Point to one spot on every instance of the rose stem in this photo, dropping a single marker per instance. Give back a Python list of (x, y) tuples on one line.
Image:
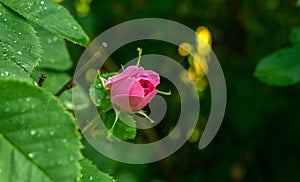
[(70, 84)]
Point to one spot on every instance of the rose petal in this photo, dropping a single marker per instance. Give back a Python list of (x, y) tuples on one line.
[(138, 103), (127, 87), (132, 103), (152, 76), (127, 73)]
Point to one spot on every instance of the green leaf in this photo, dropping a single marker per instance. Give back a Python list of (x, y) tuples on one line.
[(40, 132), (9, 69), (295, 35), (90, 172), (18, 42), (55, 55), (125, 127), (12, 158), (298, 3), (51, 16), (281, 68), (100, 95)]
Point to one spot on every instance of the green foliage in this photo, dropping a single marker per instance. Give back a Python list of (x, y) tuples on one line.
[(55, 55), (90, 172), (9, 69), (18, 42), (281, 68), (295, 35), (49, 145), (125, 126), (39, 139), (51, 16)]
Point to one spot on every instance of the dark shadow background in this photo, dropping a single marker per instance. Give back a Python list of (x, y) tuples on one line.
[(259, 137)]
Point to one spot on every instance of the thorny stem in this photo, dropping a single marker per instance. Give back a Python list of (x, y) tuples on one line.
[(43, 77), (70, 83)]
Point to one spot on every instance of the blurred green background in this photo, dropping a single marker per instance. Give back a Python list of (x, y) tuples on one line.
[(259, 137)]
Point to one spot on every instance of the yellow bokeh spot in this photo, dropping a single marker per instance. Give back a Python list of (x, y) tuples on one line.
[(184, 49), (199, 65), (91, 74), (82, 7), (201, 84), (58, 1), (194, 135), (203, 40)]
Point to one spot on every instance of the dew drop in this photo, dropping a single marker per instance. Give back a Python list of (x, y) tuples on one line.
[(42, 2), (19, 52), (15, 41), (75, 28), (52, 133), (71, 158), (33, 132), (5, 19), (91, 178), (19, 33), (14, 74), (0, 13), (28, 99), (6, 73), (30, 155), (64, 140), (45, 8), (55, 38)]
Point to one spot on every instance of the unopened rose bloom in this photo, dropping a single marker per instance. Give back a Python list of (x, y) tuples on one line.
[(132, 89)]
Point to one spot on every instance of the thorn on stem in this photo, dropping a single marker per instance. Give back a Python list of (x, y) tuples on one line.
[(42, 77)]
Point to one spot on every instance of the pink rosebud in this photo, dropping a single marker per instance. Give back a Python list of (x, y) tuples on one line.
[(132, 89)]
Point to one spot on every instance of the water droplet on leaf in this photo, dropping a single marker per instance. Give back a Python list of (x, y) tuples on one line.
[(55, 38), (91, 178), (33, 132), (30, 155), (42, 2), (19, 52)]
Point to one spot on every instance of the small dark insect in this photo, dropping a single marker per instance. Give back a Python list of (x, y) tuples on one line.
[(43, 77)]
